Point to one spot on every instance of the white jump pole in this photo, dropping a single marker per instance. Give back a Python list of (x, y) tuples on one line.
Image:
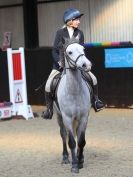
[(17, 83)]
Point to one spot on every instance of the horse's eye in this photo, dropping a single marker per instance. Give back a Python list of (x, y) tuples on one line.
[(70, 52)]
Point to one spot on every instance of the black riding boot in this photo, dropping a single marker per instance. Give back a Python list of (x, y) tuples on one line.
[(49, 103), (97, 104)]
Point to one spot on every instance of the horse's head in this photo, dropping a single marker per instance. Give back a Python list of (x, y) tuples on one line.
[(75, 56)]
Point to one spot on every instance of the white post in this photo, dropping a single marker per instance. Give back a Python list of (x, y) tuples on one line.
[(17, 83)]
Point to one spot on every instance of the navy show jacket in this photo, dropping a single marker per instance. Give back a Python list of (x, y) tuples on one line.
[(56, 50)]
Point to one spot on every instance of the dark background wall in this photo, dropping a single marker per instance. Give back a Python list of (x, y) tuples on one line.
[(115, 85), (38, 68)]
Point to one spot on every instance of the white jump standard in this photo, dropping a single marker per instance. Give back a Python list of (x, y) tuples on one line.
[(17, 83)]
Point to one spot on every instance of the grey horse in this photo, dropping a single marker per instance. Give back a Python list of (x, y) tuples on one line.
[(74, 104)]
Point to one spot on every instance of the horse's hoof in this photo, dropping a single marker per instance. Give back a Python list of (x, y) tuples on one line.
[(74, 170), (65, 161), (80, 165)]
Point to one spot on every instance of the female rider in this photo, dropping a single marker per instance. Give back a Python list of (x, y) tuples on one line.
[(71, 19)]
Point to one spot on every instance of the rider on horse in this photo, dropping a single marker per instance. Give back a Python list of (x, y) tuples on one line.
[(70, 29)]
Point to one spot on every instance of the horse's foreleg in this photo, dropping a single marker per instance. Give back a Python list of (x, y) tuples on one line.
[(81, 141), (65, 154), (72, 146), (81, 144), (63, 134)]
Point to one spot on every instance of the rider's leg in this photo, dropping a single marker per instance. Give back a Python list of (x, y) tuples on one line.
[(48, 97), (97, 104)]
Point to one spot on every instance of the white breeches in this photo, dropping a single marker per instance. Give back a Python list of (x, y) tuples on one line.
[(54, 72)]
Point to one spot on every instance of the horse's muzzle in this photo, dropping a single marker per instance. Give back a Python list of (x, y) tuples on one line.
[(86, 67)]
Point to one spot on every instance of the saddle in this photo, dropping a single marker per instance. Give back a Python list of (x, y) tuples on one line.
[(54, 85), (56, 81)]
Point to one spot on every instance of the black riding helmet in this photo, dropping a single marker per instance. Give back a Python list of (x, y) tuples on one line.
[(71, 14)]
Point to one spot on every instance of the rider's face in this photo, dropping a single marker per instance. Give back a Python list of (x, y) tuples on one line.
[(75, 23)]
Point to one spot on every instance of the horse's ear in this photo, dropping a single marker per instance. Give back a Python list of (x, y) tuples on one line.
[(77, 38), (63, 40)]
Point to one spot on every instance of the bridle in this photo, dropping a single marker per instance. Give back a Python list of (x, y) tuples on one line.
[(71, 63)]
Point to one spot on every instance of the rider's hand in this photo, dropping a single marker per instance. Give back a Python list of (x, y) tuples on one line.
[(60, 63)]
